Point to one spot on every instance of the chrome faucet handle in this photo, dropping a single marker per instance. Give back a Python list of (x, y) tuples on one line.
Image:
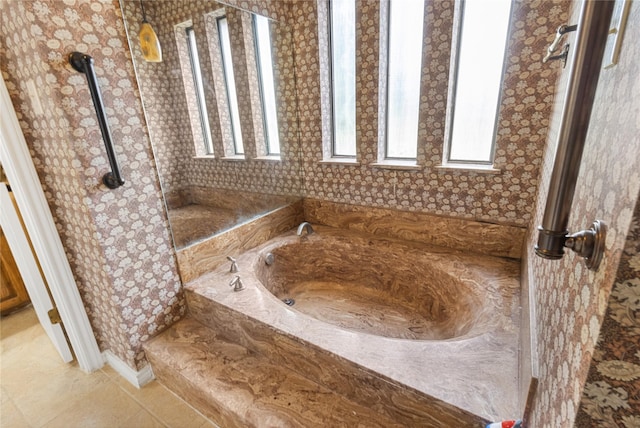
[(234, 264), (236, 283)]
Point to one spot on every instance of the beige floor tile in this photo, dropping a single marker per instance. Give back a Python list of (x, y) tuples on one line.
[(38, 390), (161, 402), (106, 406), (44, 395), (10, 416), (143, 419)]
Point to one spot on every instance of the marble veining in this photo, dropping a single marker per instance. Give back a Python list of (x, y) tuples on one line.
[(203, 256), (473, 373), (379, 286), (455, 233), (197, 213), (240, 388)]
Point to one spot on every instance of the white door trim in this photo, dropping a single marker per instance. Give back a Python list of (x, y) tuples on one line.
[(28, 268), (33, 206)]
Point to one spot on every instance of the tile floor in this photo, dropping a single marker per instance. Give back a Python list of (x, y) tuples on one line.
[(38, 390)]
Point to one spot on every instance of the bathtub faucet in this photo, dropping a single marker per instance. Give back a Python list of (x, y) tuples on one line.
[(305, 225), (236, 283), (234, 264)]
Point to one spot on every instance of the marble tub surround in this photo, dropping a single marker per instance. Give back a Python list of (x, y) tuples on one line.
[(463, 380), (237, 387), (388, 288), (457, 233), (201, 257), (197, 213)]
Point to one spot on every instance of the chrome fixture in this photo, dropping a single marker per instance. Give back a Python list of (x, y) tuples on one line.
[(305, 225), (234, 265), (591, 38), (562, 30), (289, 301), (236, 283), (269, 259), (589, 243)]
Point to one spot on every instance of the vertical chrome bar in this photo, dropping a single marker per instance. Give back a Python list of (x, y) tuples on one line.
[(593, 27), (84, 64)]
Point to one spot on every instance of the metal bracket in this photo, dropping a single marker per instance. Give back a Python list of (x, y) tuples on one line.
[(561, 31), (564, 53), (589, 244)]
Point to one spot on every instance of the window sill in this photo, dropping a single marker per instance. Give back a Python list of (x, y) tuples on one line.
[(271, 158), (234, 158), (204, 157), (410, 165), (340, 161), (480, 169)]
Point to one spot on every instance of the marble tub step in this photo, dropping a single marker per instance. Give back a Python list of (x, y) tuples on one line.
[(237, 387), (363, 387)]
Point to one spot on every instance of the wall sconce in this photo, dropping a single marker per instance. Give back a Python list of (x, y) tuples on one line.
[(149, 43)]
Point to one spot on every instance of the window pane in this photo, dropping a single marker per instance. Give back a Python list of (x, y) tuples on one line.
[(267, 87), (225, 46), (197, 80), (343, 63), (406, 18), (479, 74)]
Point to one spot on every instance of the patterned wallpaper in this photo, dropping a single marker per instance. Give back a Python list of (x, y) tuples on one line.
[(527, 101), (611, 397), (117, 241), (162, 89), (570, 300), (506, 198)]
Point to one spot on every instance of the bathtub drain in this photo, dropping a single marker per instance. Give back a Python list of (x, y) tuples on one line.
[(288, 301)]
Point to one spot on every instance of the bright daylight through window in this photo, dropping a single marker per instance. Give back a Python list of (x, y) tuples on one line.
[(406, 19), (199, 87), (477, 80), (267, 86), (225, 47), (343, 64)]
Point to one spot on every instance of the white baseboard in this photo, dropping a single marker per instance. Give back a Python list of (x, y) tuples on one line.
[(136, 378)]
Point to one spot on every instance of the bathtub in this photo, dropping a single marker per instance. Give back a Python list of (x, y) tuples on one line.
[(435, 321)]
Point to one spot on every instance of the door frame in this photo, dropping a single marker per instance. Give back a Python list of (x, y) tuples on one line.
[(18, 165)]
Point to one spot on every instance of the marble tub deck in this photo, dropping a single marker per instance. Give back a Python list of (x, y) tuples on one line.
[(476, 374)]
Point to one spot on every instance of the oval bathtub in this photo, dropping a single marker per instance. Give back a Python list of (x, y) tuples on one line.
[(375, 311), (382, 287)]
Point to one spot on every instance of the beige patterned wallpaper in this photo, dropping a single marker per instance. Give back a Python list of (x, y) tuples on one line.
[(167, 108), (571, 301), (506, 198), (117, 241), (611, 396), (527, 100)]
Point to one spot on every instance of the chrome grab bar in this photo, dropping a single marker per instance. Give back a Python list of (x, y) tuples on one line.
[(84, 64), (562, 30), (593, 28)]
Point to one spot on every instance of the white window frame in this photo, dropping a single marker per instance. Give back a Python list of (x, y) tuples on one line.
[(196, 73), (385, 143), (451, 108)]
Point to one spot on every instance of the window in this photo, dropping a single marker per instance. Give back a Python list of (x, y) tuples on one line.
[(266, 83), (476, 80), (199, 89), (227, 65), (343, 76), (406, 18)]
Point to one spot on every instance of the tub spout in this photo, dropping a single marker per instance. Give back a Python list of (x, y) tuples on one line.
[(303, 226)]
